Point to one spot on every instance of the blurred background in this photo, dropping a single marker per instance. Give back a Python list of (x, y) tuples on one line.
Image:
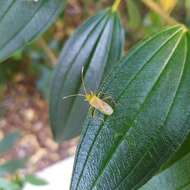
[(26, 76)]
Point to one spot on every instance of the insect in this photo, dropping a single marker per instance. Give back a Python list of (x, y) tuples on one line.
[(33, 1), (94, 100)]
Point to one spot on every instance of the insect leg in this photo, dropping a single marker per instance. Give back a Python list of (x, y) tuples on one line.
[(91, 111), (110, 98)]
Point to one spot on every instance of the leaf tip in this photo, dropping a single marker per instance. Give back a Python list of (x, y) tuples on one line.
[(184, 28)]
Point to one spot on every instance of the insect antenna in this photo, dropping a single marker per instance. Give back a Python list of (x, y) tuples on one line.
[(83, 84), (73, 95)]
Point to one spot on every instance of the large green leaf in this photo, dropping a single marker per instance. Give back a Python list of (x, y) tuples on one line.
[(22, 20), (177, 177), (96, 45), (151, 117)]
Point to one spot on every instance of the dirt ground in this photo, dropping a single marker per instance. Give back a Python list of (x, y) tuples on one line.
[(26, 111)]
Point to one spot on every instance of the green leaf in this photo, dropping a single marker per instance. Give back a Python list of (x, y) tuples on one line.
[(6, 185), (8, 142), (151, 116), (187, 11), (153, 23), (12, 166), (182, 152), (44, 80), (134, 19), (96, 45), (23, 20), (34, 180), (177, 177)]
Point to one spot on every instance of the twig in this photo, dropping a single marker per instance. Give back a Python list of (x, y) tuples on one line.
[(157, 9), (51, 56), (116, 5)]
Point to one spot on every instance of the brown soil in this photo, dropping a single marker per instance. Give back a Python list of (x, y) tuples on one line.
[(27, 111)]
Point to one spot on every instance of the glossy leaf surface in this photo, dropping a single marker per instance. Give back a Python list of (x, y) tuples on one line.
[(151, 116), (96, 45), (177, 177), (23, 20)]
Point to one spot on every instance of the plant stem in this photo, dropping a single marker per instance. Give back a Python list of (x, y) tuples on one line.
[(115, 5), (157, 9), (50, 54)]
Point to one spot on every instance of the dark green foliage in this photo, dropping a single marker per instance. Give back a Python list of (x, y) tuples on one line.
[(177, 177), (44, 80), (96, 45), (148, 134), (23, 20), (150, 120)]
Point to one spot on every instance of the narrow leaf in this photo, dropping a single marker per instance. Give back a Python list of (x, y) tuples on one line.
[(35, 180)]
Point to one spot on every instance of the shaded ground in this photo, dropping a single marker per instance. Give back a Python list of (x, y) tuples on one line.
[(26, 111)]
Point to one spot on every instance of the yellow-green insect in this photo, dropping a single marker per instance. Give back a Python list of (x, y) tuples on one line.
[(94, 101)]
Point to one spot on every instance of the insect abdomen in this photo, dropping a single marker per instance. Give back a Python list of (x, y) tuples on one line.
[(100, 105)]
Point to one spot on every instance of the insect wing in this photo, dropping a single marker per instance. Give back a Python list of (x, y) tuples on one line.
[(100, 105)]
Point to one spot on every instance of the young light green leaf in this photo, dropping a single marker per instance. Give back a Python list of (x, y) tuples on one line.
[(151, 117), (96, 46), (35, 180), (23, 20)]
